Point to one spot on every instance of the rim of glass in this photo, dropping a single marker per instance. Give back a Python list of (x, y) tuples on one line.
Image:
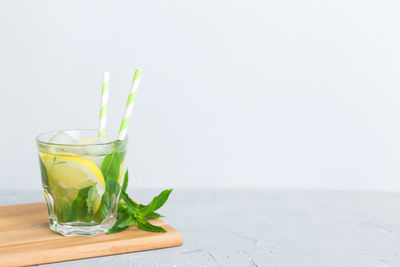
[(41, 142)]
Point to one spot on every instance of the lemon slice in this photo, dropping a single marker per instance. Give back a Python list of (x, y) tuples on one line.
[(67, 174)]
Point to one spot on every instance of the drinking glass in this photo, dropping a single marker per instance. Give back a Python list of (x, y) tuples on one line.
[(81, 178)]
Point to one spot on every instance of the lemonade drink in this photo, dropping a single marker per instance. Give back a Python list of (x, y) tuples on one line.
[(81, 178)]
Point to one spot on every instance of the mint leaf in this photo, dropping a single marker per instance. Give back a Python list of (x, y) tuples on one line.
[(108, 198), (128, 222), (43, 172), (122, 207), (132, 206), (146, 226), (112, 187), (63, 210), (125, 183), (92, 196), (132, 213), (110, 166), (78, 210), (153, 215), (156, 203), (116, 228), (105, 206), (110, 169)]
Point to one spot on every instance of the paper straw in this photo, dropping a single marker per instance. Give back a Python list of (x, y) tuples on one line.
[(104, 100), (129, 104)]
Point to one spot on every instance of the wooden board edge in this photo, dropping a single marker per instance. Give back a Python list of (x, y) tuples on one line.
[(94, 250)]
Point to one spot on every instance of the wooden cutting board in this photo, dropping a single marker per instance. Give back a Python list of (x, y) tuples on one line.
[(25, 239)]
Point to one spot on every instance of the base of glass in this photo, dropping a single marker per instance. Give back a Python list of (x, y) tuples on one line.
[(81, 229)]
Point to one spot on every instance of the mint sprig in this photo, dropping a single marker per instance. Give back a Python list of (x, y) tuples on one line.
[(131, 213)]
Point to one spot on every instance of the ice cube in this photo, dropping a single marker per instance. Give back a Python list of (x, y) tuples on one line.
[(97, 150), (62, 138)]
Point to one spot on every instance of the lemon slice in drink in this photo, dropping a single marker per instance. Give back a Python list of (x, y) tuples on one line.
[(67, 174), (90, 140), (99, 160)]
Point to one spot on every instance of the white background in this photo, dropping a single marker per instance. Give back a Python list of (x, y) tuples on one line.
[(298, 94)]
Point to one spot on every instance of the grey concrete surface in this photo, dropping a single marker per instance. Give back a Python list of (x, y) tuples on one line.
[(266, 228)]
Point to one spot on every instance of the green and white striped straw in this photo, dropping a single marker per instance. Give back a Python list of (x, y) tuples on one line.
[(104, 101), (129, 104)]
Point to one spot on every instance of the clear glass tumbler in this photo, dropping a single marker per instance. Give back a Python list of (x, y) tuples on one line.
[(81, 178)]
